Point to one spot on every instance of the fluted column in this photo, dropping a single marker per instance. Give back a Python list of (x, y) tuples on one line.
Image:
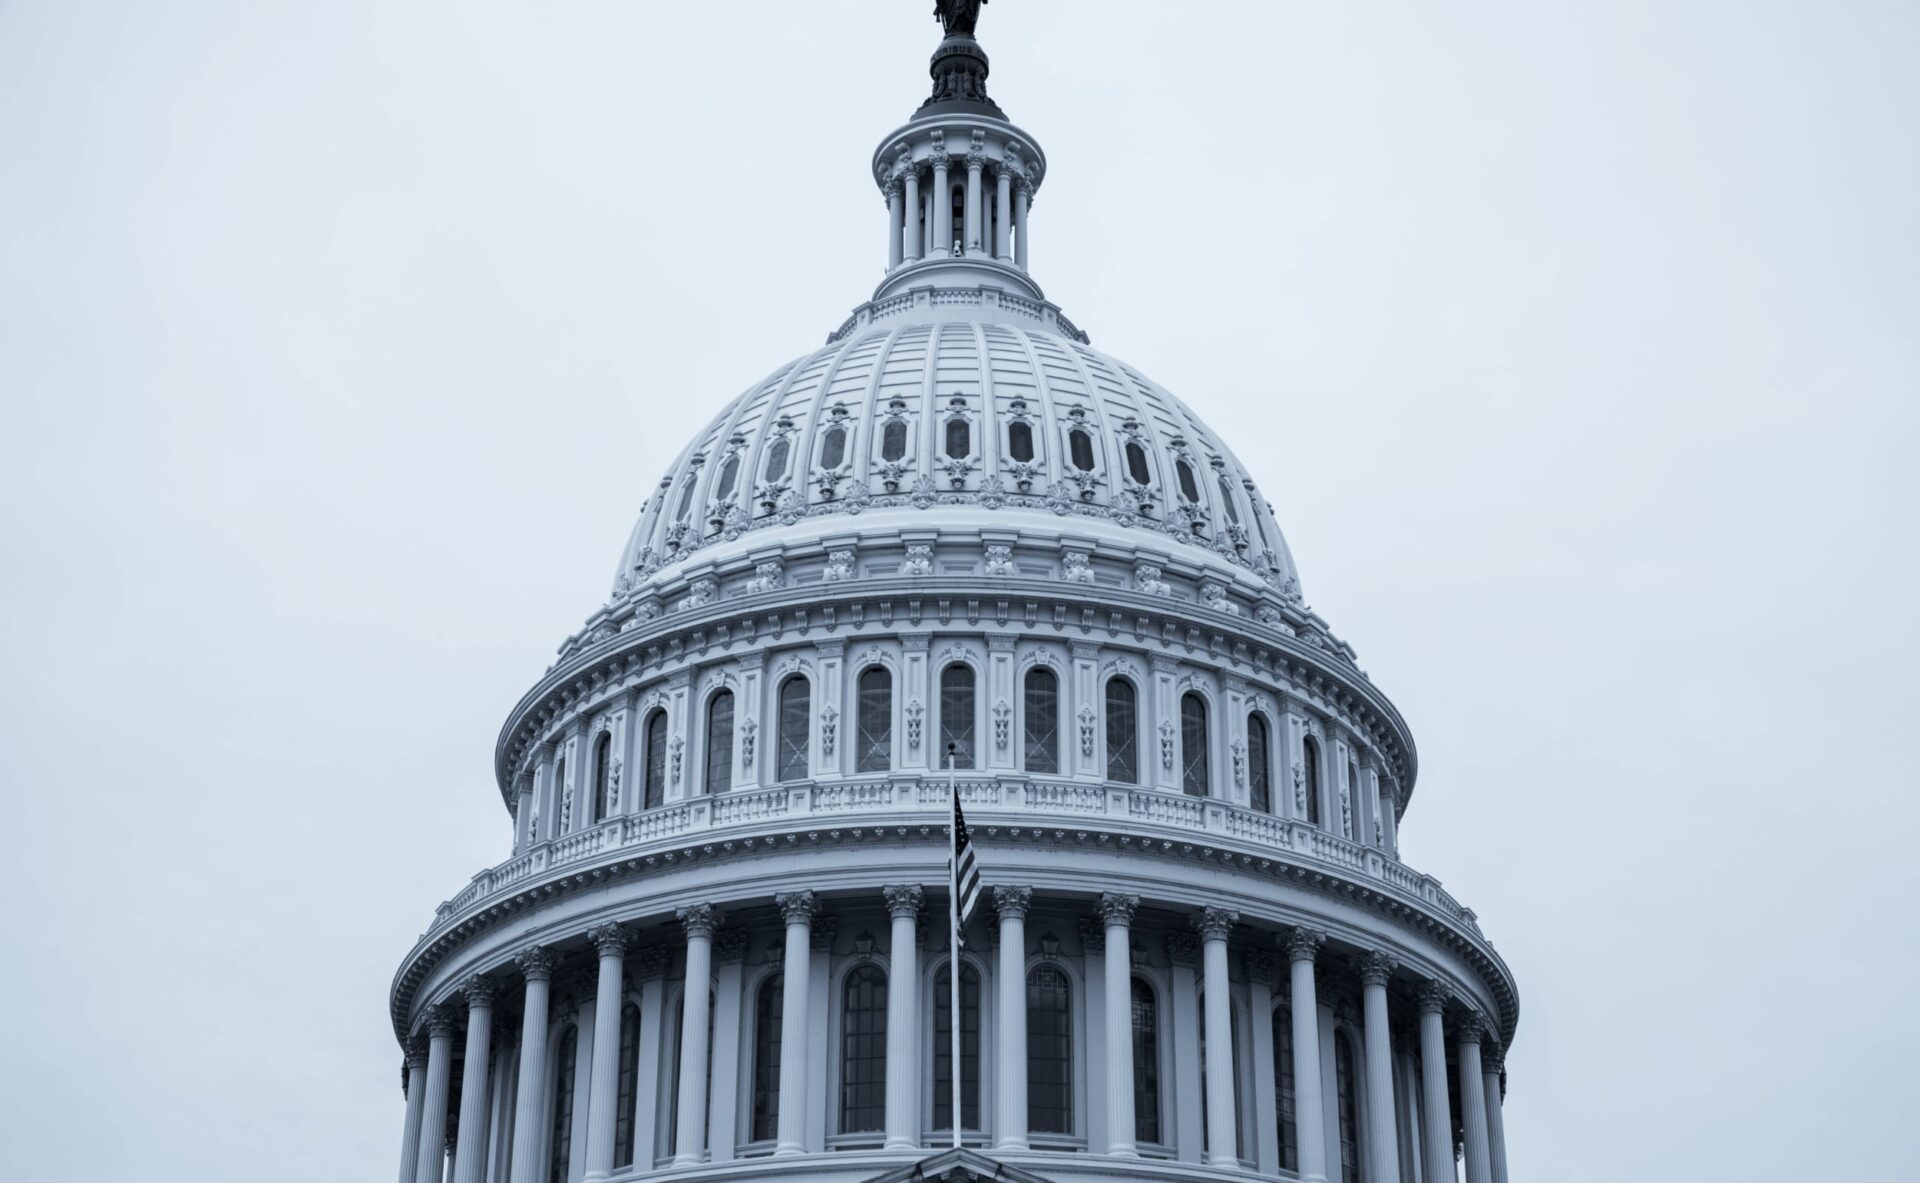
[(1437, 1130), (1376, 969), (903, 1019), (942, 204), (1223, 1116), (1303, 945), (799, 908), (690, 1135), (602, 1104), (470, 1154), (1022, 198), (896, 218), (1116, 913), (536, 965), (416, 1103), (1473, 1097), (430, 1164), (1010, 1058), (910, 247), (1491, 1067), (1002, 213), (976, 161)]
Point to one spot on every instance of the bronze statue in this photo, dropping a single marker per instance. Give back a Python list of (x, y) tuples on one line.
[(958, 17)]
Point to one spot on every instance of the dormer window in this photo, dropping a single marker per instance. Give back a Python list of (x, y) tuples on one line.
[(893, 440), (959, 439), (729, 472), (833, 448), (1188, 488), (1137, 464), (1080, 450), (776, 460), (1020, 442)]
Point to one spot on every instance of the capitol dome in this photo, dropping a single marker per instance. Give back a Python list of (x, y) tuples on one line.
[(955, 558)]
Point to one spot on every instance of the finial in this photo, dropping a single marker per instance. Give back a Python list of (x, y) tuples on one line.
[(957, 17)]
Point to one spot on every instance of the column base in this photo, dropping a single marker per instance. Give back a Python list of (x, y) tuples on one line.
[(900, 1143), (1123, 1150), (1229, 1162), (689, 1160), (788, 1151), (1015, 1144)]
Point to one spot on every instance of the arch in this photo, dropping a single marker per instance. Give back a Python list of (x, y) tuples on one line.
[(1020, 441), (1080, 449), (833, 447), (560, 1129), (958, 703), (863, 1050), (1049, 1050), (627, 1090), (1123, 731), (1193, 744), (719, 746), (655, 732), (1040, 720), (1284, 1094), (1259, 764), (796, 720), (970, 1040), (602, 807), (1310, 776), (873, 720), (1146, 1063), (1349, 1110), (767, 1014)]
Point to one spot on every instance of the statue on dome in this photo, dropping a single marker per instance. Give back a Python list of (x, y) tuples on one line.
[(958, 17)]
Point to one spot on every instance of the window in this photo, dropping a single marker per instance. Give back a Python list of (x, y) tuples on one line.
[(766, 1059), (629, 1083), (1193, 745), (969, 1047), (720, 742), (686, 495), (602, 777), (560, 788), (1019, 442), (863, 1051), (1353, 794), (1259, 773), (1226, 499), (893, 440), (1188, 488), (796, 717), (875, 722), (1284, 1100), (833, 448), (656, 784), (1310, 773), (1123, 746), (1146, 1064), (729, 472), (956, 715), (776, 460), (1080, 450), (1137, 464), (1042, 730), (1049, 1052), (959, 438), (1343, 1090), (560, 1144)]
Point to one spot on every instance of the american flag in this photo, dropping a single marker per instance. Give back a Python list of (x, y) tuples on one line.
[(965, 870)]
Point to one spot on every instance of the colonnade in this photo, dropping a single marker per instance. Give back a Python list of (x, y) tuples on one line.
[(1390, 1119), (920, 217)]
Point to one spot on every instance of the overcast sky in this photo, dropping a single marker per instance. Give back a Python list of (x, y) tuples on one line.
[(1575, 344)]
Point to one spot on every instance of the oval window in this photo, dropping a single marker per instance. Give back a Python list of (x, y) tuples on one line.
[(1137, 464), (776, 460), (1020, 442), (1080, 445), (959, 438), (833, 449), (1188, 489), (893, 441), (728, 473)]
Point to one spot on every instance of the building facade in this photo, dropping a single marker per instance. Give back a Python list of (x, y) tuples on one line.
[(719, 947)]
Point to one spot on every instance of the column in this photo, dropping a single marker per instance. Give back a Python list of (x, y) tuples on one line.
[(611, 941), (911, 247), (430, 1161), (1492, 1066), (1266, 1125), (1116, 913), (1407, 1093), (1303, 945), (896, 218), (1010, 1058), (1183, 1032), (416, 1098), (1375, 971), (650, 968), (1223, 1134), (1473, 1097), (691, 1134), (523, 816), (1022, 198), (470, 1155), (1437, 1134), (1002, 212), (536, 965), (976, 160), (903, 1019), (942, 204), (723, 1090), (799, 908)]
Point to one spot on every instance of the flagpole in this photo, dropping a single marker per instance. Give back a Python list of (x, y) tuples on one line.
[(953, 960)]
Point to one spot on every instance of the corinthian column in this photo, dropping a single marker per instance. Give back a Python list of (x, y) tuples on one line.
[(536, 964), (611, 940), (799, 908), (1303, 945), (470, 1155), (1473, 1097), (1376, 969), (1116, 913), (896, 220), (1022, 198), (1437, 1134), (1491, 1066), (942, 203), (430, 1164), (416, 1102), (903, 1019), (911, 246), (1011, 1056), (690, 1136), (977, 160), (1002, 212), (1223, 1133)]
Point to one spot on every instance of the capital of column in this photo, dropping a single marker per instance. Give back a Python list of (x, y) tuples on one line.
[(976, 159), (1214, 924), (730, 945), (651, 962), (1012, 902), (1093, 935), (798, 907), (416, 1053), (1303, 944), (611, 939), (820, 938), (1262, 967), (1493, 1058), (698, 919), (479, 992), (1434, 998), (1118, 907), (1376, 968), (903, 903), (536, 964), (891, 189), (443, 1019), (1469, 1027), (1183, 948)]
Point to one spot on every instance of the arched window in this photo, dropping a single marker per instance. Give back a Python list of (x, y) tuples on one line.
[(720, 742), (1042, 730), (729, 472), (969, 1047), (1019, 442), (875, 721), (560, 788), (628, 1086), (1080, 450), (893, 439), (796, 717), (560, 1141), (1310, 774), (833, 448), (1349, 1112), (1123, 726), (602, 777), (1284, 1100), (1188, 487), (1259, 771), (1146, 1064), (1193, 745), (959, 438), (1353, 794), (656, 785), (1049, 1051), (776, 460), (1226, 499), (863, 1051), (1137, 464), (956, 715), (766, 1059)]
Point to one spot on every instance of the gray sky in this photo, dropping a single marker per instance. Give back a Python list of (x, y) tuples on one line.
[(1574, 343)]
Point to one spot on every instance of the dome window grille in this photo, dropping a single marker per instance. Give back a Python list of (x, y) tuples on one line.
[(1193, 745), (1123, 759)]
